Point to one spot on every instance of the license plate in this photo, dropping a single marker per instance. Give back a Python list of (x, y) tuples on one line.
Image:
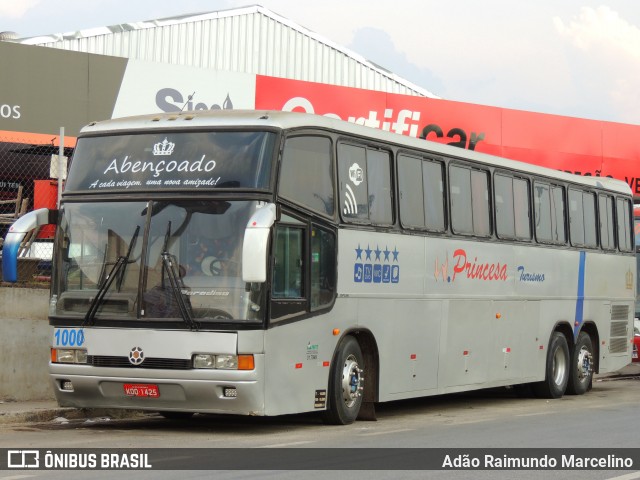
[(141, 390)]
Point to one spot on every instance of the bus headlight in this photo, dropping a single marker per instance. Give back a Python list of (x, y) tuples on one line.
[(68, 355), (204, 360), (227, 362), (223, 362)]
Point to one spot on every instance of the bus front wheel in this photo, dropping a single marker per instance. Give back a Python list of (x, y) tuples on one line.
[(557, 369), (346, 384)]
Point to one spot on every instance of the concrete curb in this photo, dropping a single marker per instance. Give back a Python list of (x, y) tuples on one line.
[(44, 414)]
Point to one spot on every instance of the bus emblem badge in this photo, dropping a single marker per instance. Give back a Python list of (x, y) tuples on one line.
[(136, 356)]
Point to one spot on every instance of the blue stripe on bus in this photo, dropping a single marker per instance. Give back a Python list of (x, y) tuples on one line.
[(580, 299)]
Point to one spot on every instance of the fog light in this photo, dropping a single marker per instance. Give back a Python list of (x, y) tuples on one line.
[(66, 385), (230, 392)]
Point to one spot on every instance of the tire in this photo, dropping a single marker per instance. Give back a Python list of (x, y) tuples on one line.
[(581, 366), (557, 369), (346, 384), (171, 415)]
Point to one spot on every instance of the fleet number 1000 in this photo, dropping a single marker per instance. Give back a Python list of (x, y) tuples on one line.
[(69, 337)]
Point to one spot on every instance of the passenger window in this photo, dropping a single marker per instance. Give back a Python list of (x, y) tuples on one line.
[(480, 203), (542, 212), (306, 173), (411, 194), (460, 191), (582, 218), (607, 226), (365, 185), (469, 189), (352, 172), (379, 180), (623, 217), (433, 183), (576, 217), (521, 209), (505, 221), (590, 222), (558, 218)]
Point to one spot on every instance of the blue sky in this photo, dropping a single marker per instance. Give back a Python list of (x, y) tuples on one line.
[(571, 57)]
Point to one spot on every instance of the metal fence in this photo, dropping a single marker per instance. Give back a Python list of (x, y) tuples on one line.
[(27, 183)]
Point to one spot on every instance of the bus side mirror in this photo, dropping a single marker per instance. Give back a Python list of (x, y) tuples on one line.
[(256, 244)]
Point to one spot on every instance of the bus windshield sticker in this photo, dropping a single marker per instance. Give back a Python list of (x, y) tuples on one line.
[(180, 160)]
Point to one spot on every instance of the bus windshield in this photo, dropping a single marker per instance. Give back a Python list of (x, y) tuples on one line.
[(153, 260)]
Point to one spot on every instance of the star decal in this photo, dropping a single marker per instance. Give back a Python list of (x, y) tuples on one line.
[(377, 251), (368, 252), (358, 253), (386, 253), (395, 254)]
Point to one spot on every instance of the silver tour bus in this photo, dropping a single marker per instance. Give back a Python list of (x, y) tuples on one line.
[(268, 263)]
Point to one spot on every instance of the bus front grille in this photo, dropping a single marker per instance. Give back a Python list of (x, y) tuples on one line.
[(123, 362)]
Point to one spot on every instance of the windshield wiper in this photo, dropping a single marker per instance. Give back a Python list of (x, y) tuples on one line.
[(120, 264), (129, 250), (168, 264), (89, 318)]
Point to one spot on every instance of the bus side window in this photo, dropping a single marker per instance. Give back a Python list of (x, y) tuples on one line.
[(353, 175), (288, 267), (469, 201), (605, 209), (576, 218), (558, 219), (306, 174), (623, 217), (543, 212), (323, 267)]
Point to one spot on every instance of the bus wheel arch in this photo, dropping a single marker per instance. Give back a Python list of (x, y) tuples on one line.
[(353, 380), (557, 366)]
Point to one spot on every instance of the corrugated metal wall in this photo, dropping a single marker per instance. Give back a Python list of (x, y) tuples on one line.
[(248, 40)]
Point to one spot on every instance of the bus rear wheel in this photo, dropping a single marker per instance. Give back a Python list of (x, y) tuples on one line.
[(581, 366), (346, 384), (557, 369)]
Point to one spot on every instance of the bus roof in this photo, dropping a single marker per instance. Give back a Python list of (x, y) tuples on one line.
[(279, 120)]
